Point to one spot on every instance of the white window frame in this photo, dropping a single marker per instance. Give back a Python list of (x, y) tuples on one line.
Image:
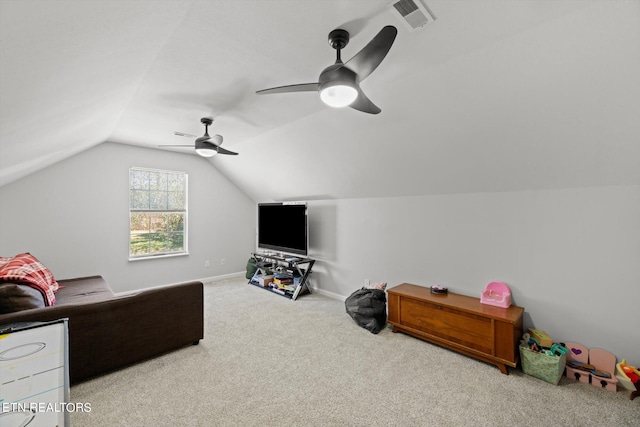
[(156, 209)]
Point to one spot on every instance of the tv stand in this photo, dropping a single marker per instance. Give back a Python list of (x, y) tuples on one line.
[(290, 271)]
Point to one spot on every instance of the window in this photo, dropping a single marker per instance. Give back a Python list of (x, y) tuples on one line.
[(157, 213)]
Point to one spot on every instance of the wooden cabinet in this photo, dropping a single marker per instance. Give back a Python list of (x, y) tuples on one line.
[(458, 322)]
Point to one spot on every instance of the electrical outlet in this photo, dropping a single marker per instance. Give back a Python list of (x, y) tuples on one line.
[(207, 264), (366, 283), (222, 261)]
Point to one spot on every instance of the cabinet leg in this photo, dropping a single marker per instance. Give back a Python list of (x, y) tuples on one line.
[(503, 368), (394, 330)]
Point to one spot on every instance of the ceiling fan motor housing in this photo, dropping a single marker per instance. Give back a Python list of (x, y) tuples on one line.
[(336, 74), (205, 145)]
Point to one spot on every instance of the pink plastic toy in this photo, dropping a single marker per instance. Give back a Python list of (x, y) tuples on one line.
[(496, 293)]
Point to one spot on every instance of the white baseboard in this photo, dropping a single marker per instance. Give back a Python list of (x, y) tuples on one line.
[(328, 294), (224, 276), (206, 279)]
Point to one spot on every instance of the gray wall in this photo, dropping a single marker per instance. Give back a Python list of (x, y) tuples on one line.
[(570, 256), (74, 217)]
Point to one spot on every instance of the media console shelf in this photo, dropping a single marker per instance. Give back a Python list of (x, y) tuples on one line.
[(458, 322), (287, 270)]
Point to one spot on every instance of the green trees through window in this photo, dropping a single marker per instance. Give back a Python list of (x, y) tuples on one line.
[(157, 212)]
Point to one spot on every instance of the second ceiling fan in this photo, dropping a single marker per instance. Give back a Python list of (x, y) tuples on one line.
[(205, 145), (339, 84)]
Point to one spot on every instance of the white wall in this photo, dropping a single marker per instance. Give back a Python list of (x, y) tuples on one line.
[(570, 256), (74, 217)]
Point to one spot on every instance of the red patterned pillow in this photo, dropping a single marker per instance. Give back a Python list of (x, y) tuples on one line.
[(26, 269)]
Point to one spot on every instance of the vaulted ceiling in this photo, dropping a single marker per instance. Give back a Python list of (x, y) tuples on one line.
[(491, 96)]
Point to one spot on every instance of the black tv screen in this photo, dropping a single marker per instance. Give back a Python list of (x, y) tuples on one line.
[(283, 227)]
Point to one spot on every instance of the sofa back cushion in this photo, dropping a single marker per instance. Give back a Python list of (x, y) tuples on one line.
[(83, 290), (16, 297)]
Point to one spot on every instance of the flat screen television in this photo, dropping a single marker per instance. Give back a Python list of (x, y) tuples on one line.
[(283, 227)]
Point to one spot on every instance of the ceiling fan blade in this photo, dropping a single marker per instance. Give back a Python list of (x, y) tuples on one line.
[(181, 145), (225, 151), (364, 104), (188, 135), (368, 59), (302, 87), (216, 139)]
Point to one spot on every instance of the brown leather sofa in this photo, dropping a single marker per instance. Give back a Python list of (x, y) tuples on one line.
[(108, 331)]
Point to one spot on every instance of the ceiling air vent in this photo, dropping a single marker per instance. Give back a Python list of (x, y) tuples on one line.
[(414, 13)]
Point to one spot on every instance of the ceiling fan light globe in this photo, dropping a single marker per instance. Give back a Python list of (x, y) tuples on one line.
[(339, 95), (337, 86), (206, 152), (206, 149)]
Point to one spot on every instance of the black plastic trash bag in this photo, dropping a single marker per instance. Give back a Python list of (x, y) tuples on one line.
[(368, 307)]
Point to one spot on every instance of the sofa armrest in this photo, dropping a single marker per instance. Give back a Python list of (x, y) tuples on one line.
[(110, 334)]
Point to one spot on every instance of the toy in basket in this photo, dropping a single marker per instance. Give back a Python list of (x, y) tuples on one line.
[(496, 293)]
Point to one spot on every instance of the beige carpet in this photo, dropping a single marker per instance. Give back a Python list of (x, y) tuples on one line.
[(269, 361)]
